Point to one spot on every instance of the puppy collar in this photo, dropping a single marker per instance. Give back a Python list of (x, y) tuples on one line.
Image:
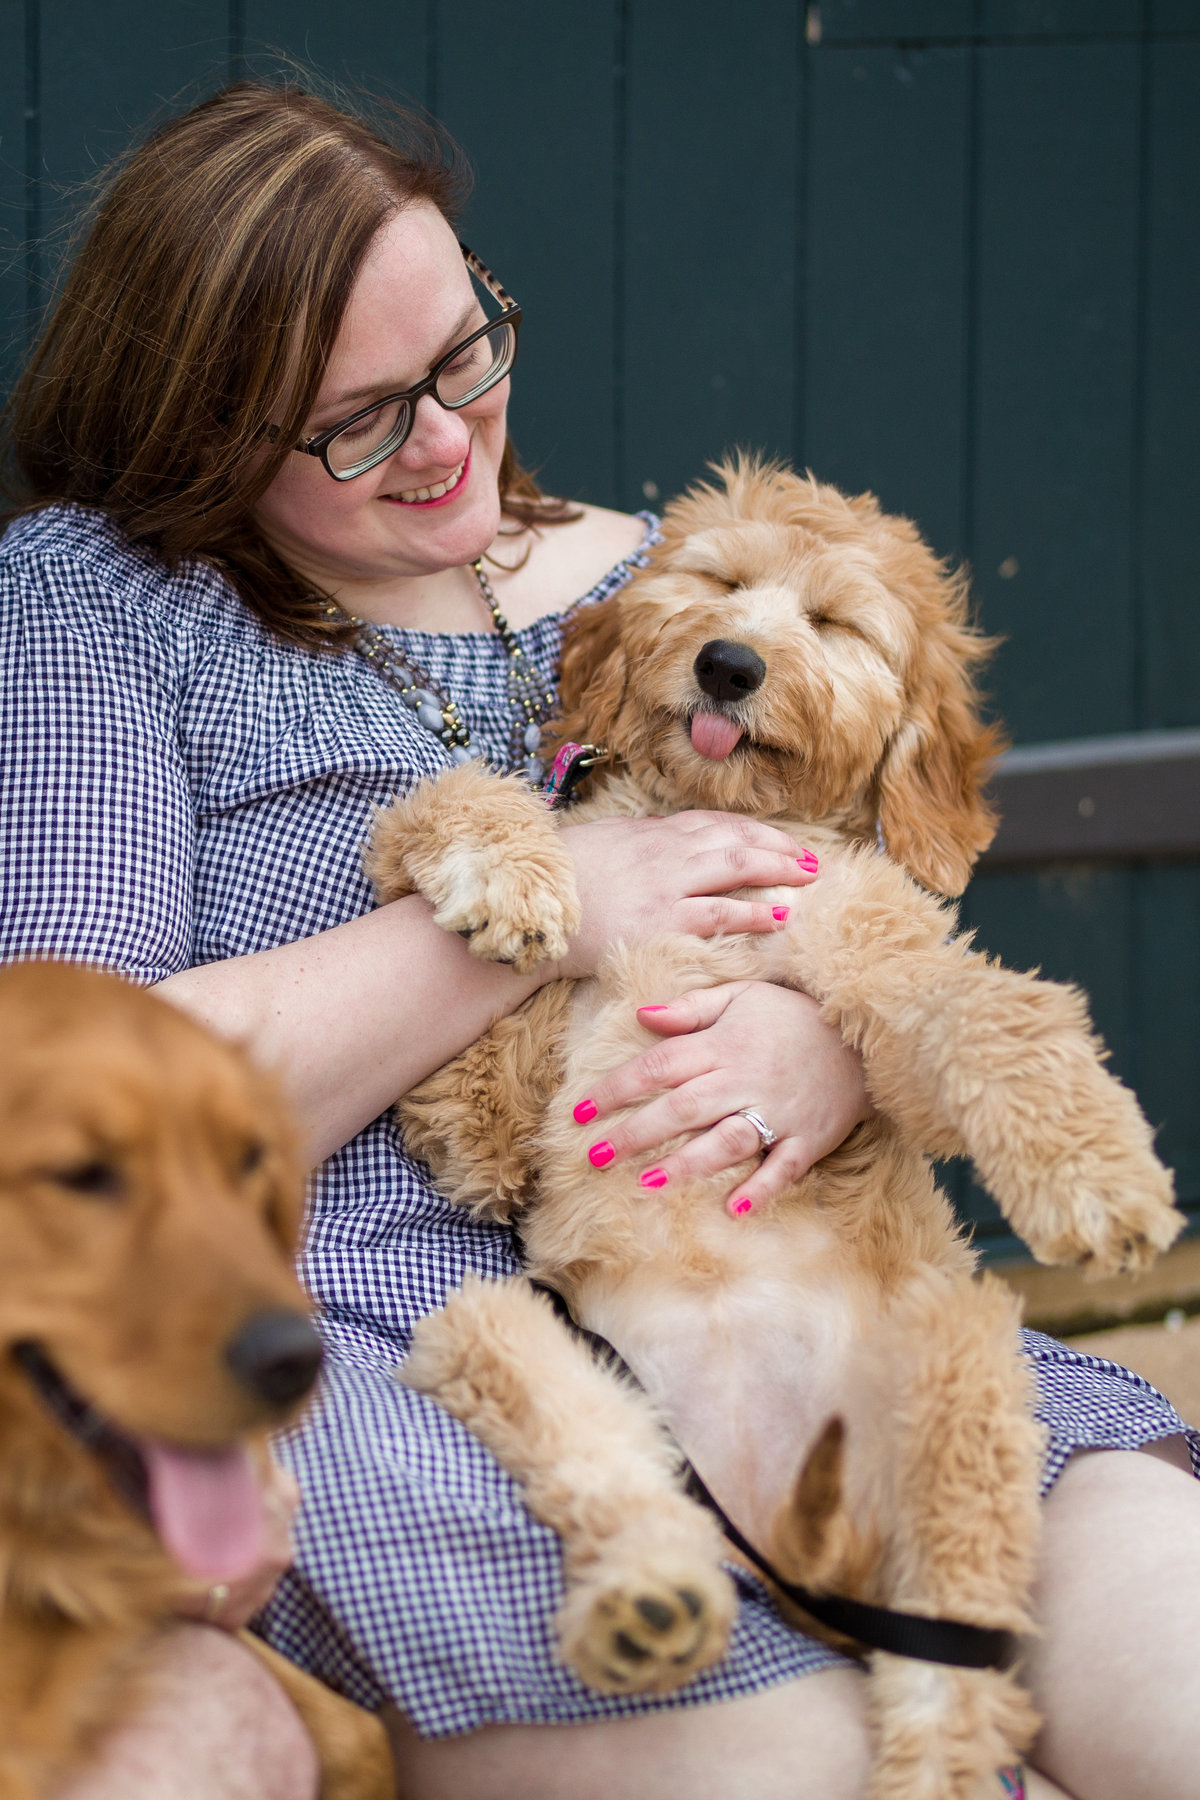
[(570, 766)]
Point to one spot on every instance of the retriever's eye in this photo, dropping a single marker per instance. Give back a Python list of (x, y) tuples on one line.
[(94, 1180), (252, 1158)]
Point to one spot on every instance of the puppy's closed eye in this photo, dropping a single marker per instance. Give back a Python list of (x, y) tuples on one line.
[(94, 1179), (826, 622)]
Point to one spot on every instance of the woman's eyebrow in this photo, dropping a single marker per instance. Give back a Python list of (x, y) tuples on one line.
[(381, 387)]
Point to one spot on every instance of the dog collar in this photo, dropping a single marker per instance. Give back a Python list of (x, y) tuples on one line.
[(570, 766)]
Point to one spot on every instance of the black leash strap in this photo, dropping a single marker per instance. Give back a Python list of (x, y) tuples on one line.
[(876, 1627)]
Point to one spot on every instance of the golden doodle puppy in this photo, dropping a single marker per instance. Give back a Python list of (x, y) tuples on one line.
[(152, 1332), (846, 1384)]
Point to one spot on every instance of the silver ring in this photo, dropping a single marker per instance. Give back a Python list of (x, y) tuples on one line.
[(218, 1594), (766, 1137)]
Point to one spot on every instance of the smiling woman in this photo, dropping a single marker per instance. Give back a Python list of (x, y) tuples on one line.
[(258, 462), (273, 563), (405, 503)]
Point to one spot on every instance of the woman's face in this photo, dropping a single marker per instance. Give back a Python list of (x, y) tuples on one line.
[(413, 300)]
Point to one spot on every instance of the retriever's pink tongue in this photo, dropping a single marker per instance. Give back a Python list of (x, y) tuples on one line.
[(207, 1508), (714, 736)]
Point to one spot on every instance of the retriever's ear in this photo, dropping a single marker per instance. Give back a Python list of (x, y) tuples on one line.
[(933, 812), (594, 671)]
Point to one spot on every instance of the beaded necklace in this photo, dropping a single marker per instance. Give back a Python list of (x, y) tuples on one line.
[(529, 690)]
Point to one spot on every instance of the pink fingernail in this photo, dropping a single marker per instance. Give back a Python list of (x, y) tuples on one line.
[(780, 913), (654, 1009), (740, 1206), (809, 861), (654, 1178), (584, 1111), (601, 1153)]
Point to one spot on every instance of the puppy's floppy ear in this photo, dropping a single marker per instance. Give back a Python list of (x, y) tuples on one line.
[(594, 672), (933, 812)]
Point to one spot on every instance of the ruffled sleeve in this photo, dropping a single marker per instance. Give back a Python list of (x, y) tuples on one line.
[(98, 843)]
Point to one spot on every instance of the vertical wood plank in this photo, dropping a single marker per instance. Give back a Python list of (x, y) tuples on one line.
[(890, 21), (884, 343), (14, 53), (1061, 18), (108, 73), (710, 247), (383, 48), (1166, 1002), (1169, 432), (541, 134), (1056, 377), (1174, 16)]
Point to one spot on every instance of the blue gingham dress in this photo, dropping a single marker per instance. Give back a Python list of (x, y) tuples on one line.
[(179, 787)]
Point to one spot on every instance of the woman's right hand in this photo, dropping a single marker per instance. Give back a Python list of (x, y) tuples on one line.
[(638, 877)]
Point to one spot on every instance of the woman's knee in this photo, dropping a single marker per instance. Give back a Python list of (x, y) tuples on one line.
[(1116, 1672), (212, 1724), (802, 1740)]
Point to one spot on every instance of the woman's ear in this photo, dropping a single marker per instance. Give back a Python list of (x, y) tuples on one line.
[(594, 670), (933, 812)]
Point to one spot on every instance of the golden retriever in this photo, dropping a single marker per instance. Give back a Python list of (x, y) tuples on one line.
[(152, 1331), (845, 1383)]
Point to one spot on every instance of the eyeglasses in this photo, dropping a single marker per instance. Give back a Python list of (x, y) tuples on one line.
[(370, 436)]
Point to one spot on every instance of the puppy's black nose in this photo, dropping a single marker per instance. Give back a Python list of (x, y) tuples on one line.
[(729, 671), (277, 1356)]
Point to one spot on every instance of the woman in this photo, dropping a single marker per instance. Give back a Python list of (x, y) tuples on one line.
[(259, 454)]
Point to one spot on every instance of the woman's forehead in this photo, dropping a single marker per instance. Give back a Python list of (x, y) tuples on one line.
[(412, 298)]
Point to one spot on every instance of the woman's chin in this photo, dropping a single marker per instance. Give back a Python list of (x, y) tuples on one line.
[(448, 539)]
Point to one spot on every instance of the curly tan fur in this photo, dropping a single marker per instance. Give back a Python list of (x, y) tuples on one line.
[(133, 1287), (850, 1391)]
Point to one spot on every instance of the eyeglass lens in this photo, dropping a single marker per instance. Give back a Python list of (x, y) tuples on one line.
[(472, 372)]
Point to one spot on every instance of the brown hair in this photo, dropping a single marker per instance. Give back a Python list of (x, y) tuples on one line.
[(203, 302)]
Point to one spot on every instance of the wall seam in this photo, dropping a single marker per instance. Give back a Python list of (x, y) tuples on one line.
[(621, 36), (237, 40), (803, 159), (970, 305), (1139, 673), (1139, 876), (431, 57), (33, 174)]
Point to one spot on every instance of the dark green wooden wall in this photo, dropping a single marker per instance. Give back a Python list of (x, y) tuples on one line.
[(946, 249)]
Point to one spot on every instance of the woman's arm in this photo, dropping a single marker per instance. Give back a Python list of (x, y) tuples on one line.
[(353, 1017)]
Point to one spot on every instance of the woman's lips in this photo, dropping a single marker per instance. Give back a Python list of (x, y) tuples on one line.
[(439, 493)]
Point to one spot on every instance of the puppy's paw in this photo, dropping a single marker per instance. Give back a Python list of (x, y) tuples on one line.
[(510, 909), (1117, 1217), (646, 1623)]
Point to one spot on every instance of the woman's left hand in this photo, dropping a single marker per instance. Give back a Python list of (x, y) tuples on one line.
[(744, 1044), (233, 1604)]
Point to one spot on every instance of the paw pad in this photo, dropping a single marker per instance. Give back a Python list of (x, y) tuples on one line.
[(639, 1635)]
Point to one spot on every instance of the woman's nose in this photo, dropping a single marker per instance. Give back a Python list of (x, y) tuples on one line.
[(438, 439)]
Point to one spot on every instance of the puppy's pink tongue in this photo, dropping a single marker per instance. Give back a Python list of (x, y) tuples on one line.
[(207, 1508), (714, 736)]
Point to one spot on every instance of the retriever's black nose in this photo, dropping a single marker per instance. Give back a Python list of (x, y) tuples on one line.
[(277, 1356), (729, 671)]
